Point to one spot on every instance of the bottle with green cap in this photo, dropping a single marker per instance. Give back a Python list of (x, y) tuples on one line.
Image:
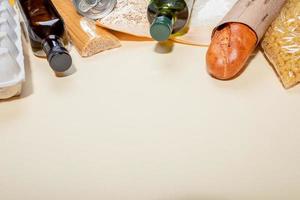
[(168, 17)]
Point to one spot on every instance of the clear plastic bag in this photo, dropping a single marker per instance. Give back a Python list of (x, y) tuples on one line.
[(281, 44)]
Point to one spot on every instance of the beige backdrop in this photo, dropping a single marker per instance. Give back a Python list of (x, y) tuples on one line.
[(138, 123)]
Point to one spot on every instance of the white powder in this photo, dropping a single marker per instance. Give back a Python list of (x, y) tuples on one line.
[(210, 11), (129, 16), (205, 17)]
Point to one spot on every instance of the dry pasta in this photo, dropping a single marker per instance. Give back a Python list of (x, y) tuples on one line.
[(281, 44)]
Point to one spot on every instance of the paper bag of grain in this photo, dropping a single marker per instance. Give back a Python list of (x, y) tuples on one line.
[(128, 16), (281, 44)]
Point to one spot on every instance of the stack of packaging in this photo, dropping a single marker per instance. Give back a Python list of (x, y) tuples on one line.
[(11, 53)]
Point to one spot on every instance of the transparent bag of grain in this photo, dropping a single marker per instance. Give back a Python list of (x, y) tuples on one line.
[(281, 44)]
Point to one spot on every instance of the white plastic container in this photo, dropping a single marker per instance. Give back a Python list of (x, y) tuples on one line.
[(12, 72)]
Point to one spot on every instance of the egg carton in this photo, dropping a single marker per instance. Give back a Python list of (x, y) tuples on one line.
[(12, 72)]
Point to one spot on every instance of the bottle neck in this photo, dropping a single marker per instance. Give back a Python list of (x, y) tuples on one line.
[(57, 55), (50, 43)]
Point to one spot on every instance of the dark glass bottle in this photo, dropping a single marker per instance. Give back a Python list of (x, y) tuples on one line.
[(168, 17), (46, 32)]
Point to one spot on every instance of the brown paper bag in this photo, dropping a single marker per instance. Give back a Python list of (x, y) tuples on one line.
[(257, 14)]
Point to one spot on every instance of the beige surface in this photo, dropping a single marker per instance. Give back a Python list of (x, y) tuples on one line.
[(135, 124)]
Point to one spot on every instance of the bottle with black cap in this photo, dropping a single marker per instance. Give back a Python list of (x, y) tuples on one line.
[(168, 17), (46, 33)]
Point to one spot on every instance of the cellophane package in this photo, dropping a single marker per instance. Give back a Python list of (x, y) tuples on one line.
[(281, 44)]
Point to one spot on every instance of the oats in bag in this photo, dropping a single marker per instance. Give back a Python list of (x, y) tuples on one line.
[(281, 44), (129, 16)]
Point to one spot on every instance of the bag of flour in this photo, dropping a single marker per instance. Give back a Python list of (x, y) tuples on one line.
[(206, 15)]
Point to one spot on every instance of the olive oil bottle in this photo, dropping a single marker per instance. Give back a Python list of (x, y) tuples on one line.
[(46, 32), (168, 17)]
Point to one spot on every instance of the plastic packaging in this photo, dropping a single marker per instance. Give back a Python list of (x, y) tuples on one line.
[(281, 44), (12, 73)]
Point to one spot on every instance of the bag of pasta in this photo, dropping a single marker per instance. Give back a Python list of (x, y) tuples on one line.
[(281, 44)]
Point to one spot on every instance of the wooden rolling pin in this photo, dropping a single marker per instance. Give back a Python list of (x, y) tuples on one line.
[(88, 38)]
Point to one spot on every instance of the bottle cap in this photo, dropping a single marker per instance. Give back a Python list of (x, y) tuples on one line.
[(161, 28), (57, 55)]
